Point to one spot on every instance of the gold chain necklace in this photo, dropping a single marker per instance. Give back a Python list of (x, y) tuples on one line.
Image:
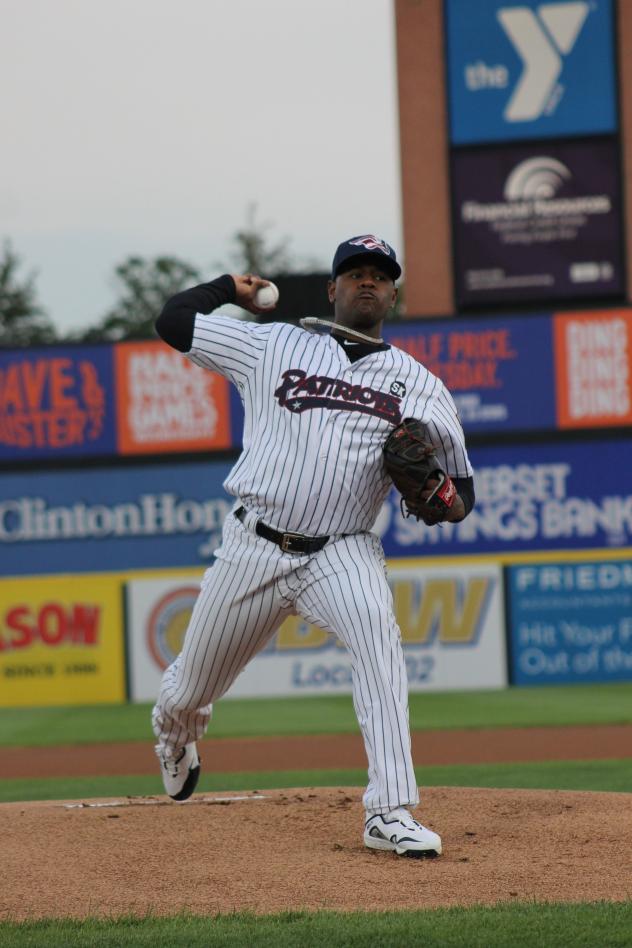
[(313, 324)]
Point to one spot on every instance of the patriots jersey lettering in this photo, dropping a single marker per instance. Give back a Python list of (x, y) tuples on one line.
[(300, 392)]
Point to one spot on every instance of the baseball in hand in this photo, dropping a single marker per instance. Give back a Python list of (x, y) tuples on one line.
[(267, 296)]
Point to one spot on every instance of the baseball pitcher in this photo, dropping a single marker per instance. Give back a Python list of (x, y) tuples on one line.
[(333, 417)]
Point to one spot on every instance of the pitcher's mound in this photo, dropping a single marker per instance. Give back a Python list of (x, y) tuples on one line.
[(281, 850)]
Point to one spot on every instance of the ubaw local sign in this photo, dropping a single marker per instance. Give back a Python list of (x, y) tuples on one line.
[(451, 619)]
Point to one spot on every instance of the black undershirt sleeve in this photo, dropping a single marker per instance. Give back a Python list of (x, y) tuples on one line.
[(176, 322), (465, 490)]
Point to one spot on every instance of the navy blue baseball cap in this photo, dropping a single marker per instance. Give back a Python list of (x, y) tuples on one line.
[(366, 246)]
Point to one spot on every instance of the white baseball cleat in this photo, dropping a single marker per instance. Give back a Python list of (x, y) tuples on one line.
[(180, 771), (399, 832)]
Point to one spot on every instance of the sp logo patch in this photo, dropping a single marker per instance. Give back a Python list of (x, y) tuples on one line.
[(398, 389)]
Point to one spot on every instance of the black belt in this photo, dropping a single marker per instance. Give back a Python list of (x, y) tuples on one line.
[(289, 542)]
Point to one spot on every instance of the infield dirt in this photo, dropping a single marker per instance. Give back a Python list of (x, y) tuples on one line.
[(302, 849)]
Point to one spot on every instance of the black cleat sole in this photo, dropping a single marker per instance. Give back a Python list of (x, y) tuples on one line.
[(421, 854)]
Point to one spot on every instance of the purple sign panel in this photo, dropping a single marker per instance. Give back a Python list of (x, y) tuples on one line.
[(537, 222), (489, 365), (56, 402)]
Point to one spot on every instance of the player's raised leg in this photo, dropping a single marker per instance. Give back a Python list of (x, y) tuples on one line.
[(236, 613)]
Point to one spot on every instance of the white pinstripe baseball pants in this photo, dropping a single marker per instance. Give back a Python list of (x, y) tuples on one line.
[(245, 596)]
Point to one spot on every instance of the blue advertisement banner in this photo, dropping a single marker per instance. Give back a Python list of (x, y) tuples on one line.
[(56, 402), (537, 223), (521, 69), (488, 365), (116, 518), (529, 497), (571, 622)]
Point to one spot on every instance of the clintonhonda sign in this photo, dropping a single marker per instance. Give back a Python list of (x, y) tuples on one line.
[(133, 517), (33, 518)]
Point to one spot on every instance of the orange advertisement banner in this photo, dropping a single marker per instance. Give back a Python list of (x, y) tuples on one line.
[(593, 367), (166, 403), (61, 641)]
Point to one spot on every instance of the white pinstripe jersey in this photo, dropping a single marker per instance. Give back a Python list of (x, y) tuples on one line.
[(315, 423)]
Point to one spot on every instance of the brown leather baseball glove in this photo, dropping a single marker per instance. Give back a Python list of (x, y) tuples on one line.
[(427, 491)]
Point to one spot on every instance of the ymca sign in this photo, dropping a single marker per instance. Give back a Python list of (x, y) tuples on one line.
[(526, 69)]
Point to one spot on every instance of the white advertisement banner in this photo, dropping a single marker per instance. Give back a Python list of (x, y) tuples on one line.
[(451, 617)]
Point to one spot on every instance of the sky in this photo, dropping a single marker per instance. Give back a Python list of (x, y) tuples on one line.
[(148, 127)]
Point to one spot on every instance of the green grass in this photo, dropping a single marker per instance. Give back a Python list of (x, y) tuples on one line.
[(608, 775), (521, 925), (254, 717)]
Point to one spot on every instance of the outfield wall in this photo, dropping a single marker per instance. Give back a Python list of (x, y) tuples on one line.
[(112, 504)]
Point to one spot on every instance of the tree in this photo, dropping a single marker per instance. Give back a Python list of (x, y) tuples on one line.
[(146, 286), (253, 253), (22, 320)]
